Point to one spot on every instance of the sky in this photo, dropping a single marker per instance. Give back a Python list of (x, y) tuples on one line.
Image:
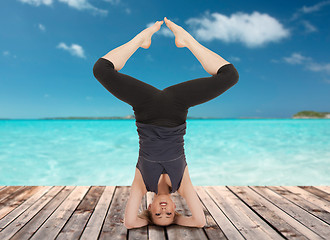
[(48, 49)]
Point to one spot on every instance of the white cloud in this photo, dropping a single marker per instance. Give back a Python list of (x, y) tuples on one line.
[(114, 2), (314, 8), (88, 98), (42, 27), (319, 67), (37, 2), (164, 30), (77, 4), (74, 49), (309, 27), (296, 58), (83, 5), (235, 59), (8, 54), (308, 62), (253, 30)]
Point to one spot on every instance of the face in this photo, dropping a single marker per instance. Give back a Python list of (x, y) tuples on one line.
[(162, 209)]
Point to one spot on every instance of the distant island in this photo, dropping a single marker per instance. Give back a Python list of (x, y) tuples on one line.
[(301, 114), (125, 117), (311, 114)]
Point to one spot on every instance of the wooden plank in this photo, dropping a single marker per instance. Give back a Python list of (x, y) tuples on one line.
[(284, 223), (245, 209), (19, 210), (310, 221), (5, 192), (155, 232), (17, 198), (242, 217), (316, 192), (324, 188), (181, 232), (217, 224), (305, 200), (31, 226), (75, 226), (139, 233), (56, 221), (19, 222), (94, 225), (113, 227)]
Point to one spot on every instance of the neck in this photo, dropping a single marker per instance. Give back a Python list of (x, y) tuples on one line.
[(163, 188)]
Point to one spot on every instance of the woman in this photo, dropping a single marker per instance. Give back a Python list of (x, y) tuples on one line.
[(161, 124)]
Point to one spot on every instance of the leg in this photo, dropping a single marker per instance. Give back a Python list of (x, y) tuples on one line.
[(121, 54), (197, 91), (210, 61), (200, 90), (125, 87)]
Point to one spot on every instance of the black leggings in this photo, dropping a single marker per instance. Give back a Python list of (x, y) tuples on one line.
[(167, 107)]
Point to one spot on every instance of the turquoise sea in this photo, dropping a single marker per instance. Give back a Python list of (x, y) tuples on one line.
[(218, 152)]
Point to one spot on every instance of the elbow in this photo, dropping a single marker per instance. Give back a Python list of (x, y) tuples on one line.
[(127, 225), (201, 225)]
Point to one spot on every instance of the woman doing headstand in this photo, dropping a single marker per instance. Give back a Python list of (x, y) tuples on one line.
[(161, 124)]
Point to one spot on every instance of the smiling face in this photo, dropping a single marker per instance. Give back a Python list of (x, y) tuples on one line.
[(162, 209)]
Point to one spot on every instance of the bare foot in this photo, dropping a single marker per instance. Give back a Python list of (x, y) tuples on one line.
[(181, 35), (148, 32)]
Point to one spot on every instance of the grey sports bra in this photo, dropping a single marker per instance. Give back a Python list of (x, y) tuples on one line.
[(161, 151)]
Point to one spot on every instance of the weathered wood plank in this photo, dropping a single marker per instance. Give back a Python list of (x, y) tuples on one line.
[(181, 232), (310, 221), (94, 225), (324, 188), (283, 222), (17, 198), (260, 224), (56, 221), (25, 205), (32, 225), (316, 192), (305, 200), (113, 227), (217, 224), (19, 222), (97, 212), (7, 191), (75, 225)]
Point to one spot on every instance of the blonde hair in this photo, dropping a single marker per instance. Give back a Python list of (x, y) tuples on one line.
[(147, 215)]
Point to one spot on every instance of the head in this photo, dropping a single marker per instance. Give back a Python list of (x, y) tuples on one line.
[(161, 211)]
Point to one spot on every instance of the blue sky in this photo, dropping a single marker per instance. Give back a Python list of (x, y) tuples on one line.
[(48, 49)]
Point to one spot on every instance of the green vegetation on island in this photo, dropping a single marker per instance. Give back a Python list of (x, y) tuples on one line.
[(311, 114)]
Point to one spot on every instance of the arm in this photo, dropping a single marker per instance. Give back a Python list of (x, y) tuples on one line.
[(131, 220), (188, 192)]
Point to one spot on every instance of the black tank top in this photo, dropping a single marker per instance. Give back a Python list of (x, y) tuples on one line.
[(161, 151)]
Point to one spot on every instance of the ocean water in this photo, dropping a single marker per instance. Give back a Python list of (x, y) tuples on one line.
[(218, 152)]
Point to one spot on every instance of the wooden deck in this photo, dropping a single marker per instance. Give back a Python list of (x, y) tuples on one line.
[(232, 212)]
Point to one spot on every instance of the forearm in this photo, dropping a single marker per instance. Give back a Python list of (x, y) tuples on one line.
[(139, 222), (121, 54), (210, 61), (188, 221)]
